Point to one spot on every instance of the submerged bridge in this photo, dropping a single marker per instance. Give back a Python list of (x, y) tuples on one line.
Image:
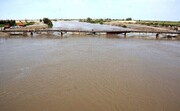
[(92, 32)]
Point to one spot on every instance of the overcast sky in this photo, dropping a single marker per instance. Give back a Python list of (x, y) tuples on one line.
[(118, 9)]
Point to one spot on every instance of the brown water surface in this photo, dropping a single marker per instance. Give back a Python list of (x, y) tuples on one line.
[(89, 74)]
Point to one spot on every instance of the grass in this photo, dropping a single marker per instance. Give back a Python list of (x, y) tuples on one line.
[(1, 25), (160, 23), (30, 23)]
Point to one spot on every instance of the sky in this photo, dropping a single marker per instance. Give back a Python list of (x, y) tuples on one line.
[(74, 9)]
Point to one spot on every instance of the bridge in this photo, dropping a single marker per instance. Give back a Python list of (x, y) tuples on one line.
[(93, 32)]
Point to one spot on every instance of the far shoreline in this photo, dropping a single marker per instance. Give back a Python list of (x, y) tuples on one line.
[(129, 25)]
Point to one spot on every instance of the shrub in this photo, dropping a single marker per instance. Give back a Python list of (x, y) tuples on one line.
[(30, 23), (124, 26), (48, 22), (128, 19)]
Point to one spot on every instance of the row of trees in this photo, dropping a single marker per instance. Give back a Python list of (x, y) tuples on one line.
[(9, 22), (13, 22), (101, 21), (90, 20)]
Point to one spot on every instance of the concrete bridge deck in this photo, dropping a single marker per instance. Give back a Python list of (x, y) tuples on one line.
[(104, 31), (108, 32)]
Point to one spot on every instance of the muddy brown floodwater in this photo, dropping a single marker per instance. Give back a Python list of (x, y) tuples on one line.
[(89, 74)]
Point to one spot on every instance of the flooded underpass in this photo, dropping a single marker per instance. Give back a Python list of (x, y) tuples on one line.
[(89, 73)]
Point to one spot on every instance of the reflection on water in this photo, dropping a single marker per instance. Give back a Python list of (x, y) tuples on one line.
[(89, 74)]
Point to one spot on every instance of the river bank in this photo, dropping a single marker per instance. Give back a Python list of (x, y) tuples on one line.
[(3, 34), (81, 26), (137, 26)]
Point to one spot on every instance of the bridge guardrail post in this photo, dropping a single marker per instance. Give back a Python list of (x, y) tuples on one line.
[(157, 36), (125, 34)]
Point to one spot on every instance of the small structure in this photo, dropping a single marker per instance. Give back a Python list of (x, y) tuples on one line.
[(6, 26)]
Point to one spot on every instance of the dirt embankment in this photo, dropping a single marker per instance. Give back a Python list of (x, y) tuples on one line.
[(146, 28), (135, 26), (36, 26), (3, 34)]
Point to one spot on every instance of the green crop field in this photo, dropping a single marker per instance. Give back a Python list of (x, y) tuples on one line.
[(160, 23), (1, 25)]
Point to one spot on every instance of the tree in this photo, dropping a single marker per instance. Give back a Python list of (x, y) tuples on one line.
[(12, 23), (89, 20), (108, 20), (81, 20), (100, 21), (128, 19), (48, 22)]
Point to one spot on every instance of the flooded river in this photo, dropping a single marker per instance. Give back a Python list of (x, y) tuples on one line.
[(89, 73)]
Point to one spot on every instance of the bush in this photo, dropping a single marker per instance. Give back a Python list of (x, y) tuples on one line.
[(30, 23), (89, 20), (128, 19), (95, 21), (124, 26), (48, 22)]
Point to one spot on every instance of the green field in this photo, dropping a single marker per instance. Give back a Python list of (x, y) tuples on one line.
[(1, 25), (160, 23)]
